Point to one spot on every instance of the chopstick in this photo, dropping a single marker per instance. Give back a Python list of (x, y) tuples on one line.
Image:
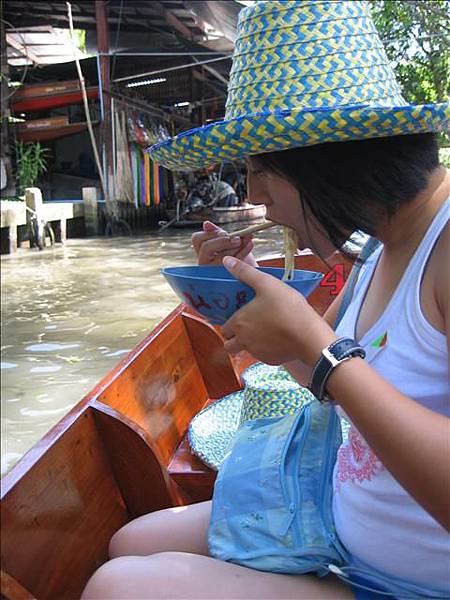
[(253, 229)]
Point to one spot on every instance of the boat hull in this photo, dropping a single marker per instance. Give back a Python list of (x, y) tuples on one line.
[(220, 216), (50, 100), (42, 134)]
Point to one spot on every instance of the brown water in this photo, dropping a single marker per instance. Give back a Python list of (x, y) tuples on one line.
[(70, 313)]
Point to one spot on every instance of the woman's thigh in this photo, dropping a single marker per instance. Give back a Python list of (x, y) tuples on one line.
[(178, 576), (179, 529)]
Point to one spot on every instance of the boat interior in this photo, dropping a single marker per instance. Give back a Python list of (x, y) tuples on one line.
[(120, 453)]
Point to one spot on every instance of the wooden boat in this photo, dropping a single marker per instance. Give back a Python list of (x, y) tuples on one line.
[(50, 132), (220, 215), (120, 453), (43, 96)]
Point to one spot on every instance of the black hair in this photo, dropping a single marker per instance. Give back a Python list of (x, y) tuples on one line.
[(349, 186)]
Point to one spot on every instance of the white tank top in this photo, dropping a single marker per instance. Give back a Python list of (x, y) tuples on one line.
[(378, 522)]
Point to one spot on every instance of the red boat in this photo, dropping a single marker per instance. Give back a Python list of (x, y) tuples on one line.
[(42, 134), (40, 96)]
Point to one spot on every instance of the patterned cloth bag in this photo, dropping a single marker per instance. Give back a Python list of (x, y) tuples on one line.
[(272, 497)]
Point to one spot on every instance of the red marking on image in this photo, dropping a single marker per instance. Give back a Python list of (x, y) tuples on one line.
[(334, 279), (196, 303)]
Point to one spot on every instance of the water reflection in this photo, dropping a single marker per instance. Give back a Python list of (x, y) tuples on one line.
[(69, 314)]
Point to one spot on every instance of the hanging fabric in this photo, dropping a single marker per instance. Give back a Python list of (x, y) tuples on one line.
[(149, 183), (147, 179), (156, 182), (134, 167), (123, 177)]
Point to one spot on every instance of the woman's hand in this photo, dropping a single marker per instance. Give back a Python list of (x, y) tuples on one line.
[(278, 325), (213, 243)]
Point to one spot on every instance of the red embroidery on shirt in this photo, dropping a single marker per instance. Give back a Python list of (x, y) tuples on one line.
[(356, 461)]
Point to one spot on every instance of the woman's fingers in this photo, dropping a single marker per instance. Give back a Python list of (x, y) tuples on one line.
[(227, 329), (232, 346), (209, 226), (217, 248), (213, 243), (200, 237), (245, 250)]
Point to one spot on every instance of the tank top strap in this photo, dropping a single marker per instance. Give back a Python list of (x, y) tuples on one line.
[(418, 262)]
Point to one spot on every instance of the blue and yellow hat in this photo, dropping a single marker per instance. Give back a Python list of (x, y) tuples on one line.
[(269, 391), (304, 72)]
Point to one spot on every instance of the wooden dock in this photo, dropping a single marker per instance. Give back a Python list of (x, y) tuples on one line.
[(14, 215)]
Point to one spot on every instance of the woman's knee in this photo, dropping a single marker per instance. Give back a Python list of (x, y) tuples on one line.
[(119, 543), (143, 536), (102, 583), (182, 529), (129, 577), (136, 538)]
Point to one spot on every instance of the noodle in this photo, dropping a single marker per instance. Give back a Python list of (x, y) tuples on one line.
[(290, 248)]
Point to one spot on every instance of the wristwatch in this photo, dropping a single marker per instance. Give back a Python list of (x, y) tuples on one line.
[(333, 355)]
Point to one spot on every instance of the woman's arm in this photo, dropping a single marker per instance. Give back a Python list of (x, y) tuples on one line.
[(411, 441), (301, 372)]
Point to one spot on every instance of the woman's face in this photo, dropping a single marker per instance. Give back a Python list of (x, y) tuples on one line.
[(283, 205)]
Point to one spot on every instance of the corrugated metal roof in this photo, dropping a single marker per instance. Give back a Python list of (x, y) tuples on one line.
[(41, 45)]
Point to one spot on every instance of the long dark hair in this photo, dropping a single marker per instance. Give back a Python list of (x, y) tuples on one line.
[(349, 186)]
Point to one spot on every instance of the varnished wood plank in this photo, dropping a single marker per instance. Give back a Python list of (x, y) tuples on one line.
[(12, 590), (57, 521), (191, 473), (144, 483), (216, 365), (26, 463), (161, 390)]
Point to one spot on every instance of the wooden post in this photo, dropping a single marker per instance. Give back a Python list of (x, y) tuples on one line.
[(8, 187), (60, 229), (9, 232), (90, 210), (103, 50), (33, 199)]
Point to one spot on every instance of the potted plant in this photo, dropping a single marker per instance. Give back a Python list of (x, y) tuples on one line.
[(31, 162)]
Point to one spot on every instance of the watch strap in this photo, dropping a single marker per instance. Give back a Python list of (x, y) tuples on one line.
[(330, 357)]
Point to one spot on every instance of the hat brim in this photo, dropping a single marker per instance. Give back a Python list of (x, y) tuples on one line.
[(273, 131), (212, 430)]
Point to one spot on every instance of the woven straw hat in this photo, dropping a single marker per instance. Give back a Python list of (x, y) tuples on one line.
[(304, 72), (268, 392)]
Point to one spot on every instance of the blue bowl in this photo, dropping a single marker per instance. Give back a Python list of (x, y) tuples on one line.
[(215, 294)]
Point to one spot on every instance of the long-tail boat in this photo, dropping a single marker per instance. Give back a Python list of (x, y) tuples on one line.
[(43, 96), (122, 451), (220, 215), (48, 132)]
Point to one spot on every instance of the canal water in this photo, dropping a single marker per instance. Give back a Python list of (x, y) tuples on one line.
[(70, 313)]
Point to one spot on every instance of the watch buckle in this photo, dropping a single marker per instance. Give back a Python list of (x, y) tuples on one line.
[(330, 357)]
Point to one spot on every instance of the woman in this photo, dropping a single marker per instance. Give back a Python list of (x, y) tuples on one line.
[(391, 480)]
